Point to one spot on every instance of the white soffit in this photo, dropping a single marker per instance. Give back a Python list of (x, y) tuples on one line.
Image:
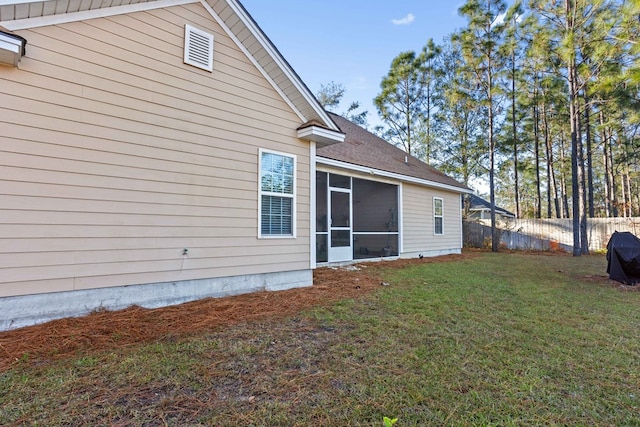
[(320, 135)]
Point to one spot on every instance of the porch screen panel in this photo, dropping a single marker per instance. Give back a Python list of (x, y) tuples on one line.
[(340, 212), (375, 219), (321, 202), (322, 219)]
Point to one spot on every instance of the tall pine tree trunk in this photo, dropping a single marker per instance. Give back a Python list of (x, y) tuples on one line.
[(627, 177), (584, 242), (607, 166), (514, 130), (563, 179), (576, 190), (428, 118), (624, 196), (614, 182), (630, 201), (536, 138), (587, 124), (492, 188), (552, 185)]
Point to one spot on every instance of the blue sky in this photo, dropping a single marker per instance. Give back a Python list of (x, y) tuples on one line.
[(352, 42)]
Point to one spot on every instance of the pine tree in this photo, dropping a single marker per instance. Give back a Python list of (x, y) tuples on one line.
[(400, 102), (459, 118), (431, 71), (481, 41)]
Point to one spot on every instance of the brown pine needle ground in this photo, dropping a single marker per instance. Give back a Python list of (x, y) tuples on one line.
[(105, 330)]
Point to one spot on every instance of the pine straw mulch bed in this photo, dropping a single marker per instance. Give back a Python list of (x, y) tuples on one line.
[(106, 330)]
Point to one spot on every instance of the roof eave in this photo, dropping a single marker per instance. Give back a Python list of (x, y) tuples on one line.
[(12, 48), (306, 96), (320, 135)]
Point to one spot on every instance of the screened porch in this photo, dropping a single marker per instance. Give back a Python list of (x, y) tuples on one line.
[(355, 218)]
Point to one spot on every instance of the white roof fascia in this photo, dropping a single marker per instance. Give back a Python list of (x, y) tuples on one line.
[(250, 57), (392, 175), (63, 18), (291, 75), (11, 2), (10, 50), (321, 135), (10, 43)]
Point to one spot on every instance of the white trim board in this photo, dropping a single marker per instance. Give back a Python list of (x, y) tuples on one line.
[(312, 205), (392, 175), (251, 58), (64, 18), (272, 51), (12, 2)]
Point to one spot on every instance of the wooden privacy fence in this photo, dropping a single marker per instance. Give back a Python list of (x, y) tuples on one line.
[(545, 234)]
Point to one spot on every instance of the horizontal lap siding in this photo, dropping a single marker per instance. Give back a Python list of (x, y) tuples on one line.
[(417, 215), (114, 156)]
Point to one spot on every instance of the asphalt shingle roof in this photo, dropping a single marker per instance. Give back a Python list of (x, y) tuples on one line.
[(478, 203), (363, 148)]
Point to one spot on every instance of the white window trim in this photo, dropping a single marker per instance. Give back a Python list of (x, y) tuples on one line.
[(293, 196), (438, 216)]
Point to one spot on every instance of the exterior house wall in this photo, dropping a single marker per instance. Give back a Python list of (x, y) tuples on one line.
[(418, 223), (115, 157)]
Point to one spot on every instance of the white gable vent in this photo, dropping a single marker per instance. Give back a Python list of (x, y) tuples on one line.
[(198, 48)]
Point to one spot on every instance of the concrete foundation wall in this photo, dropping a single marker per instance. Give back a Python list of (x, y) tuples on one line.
[(27, 310)]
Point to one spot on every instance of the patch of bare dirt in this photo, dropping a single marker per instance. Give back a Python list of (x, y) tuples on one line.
[(604, 280)]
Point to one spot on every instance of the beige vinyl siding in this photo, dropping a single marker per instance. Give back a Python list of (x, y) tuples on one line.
[(417, 219), (114, 156)]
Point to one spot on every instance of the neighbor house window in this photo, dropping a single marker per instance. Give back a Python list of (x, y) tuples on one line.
[(277, 194), (438, 226)]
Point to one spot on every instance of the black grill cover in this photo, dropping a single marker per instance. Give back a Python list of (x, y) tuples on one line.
[(623, 258)]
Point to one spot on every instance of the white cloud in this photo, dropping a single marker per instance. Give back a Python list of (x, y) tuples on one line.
[(499, 19), (404, 21)]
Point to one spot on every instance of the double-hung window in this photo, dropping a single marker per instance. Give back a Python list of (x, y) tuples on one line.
[(277, 194), (438, 217)]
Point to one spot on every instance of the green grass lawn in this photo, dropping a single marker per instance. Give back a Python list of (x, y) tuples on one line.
[(497, 339)]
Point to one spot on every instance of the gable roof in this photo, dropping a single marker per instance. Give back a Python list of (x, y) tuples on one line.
[(364, 151), (230, 14)]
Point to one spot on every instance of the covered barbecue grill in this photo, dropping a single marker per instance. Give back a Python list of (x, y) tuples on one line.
[(623, 258)]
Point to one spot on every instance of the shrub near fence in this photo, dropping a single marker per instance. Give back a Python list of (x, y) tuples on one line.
[(545, 234)]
